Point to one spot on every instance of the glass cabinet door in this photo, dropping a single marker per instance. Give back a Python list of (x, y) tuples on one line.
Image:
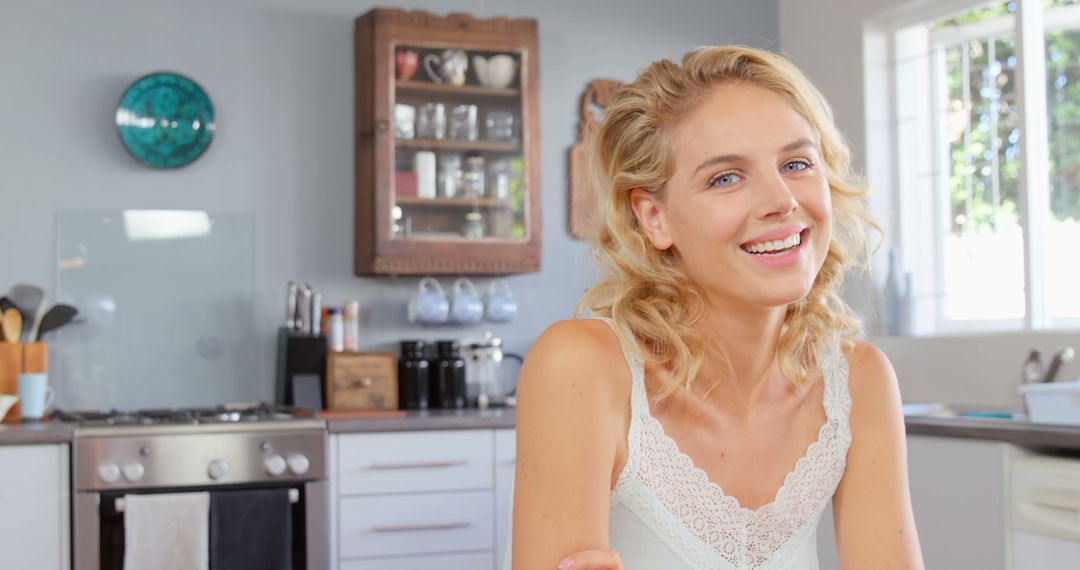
[(459, 169)]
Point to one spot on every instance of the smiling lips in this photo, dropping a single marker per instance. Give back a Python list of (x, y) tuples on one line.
[(776, 241)]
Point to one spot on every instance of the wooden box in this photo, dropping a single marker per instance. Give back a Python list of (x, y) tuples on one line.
[(361, 381), (16, 358)]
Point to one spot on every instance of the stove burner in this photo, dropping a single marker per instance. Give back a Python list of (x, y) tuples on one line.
[(181, 416)]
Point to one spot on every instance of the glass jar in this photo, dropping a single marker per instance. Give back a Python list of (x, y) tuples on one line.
[(499, 179), (472, 178), (474, 225), (450, 175)]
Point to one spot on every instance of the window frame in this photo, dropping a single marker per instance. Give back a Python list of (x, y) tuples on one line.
[(900, 39)]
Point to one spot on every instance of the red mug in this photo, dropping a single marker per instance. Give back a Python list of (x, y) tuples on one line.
[(406, 63)]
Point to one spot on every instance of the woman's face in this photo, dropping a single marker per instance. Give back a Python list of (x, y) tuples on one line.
[(748, 210)]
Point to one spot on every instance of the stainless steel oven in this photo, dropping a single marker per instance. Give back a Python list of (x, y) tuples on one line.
[(217, 450)]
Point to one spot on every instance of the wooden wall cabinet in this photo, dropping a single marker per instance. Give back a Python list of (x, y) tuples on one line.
[(481, 213)]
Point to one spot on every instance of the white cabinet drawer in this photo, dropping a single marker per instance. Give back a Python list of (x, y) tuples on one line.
[(416, 524), (378, 463), (466, 561)]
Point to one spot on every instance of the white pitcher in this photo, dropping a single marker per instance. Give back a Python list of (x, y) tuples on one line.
[(496, 71)]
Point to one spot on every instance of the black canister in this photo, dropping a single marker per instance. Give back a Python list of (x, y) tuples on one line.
[(448, 376), (413, 376)]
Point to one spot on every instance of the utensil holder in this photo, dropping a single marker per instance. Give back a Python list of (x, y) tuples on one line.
[(17, 358), (298, 354)]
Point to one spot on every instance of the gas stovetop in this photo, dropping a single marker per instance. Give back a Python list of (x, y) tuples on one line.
[(195, 447), (227, 414)]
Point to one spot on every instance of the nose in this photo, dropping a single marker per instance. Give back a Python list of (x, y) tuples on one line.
[(777, 200)]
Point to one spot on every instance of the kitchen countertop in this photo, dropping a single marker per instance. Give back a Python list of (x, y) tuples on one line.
[(414, 420), (1018, 432), (34, 433)]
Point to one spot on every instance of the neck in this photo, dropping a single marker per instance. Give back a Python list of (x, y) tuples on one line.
[(749, 336)]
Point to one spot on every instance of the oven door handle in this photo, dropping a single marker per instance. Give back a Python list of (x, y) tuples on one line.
[(421, 464), (121, 504), (416, 527)]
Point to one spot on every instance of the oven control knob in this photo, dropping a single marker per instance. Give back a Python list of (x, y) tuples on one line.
[(298, 464), (218, 469), (275, 464), (133, 471), (109, 472)]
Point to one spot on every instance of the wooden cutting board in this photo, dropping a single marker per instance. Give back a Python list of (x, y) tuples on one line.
[(582, 196)]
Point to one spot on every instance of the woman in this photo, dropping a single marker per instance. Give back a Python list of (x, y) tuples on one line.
[(722, 397)]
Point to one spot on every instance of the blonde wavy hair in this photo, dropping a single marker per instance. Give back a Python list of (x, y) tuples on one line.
[(644, 288)]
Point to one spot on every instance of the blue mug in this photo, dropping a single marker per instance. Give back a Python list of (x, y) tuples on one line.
[(429, 305), (466, 307), (35, 395), (501, 306)]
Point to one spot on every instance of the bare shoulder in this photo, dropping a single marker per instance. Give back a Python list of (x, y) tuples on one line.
[(574, 358), (875, 392)]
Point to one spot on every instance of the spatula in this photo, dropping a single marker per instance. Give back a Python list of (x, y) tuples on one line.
[(58, 316), (12, 325), (28, 299)]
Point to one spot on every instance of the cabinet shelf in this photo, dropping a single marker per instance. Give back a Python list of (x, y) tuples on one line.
[(455, 144), (455, 91), (454, 202)]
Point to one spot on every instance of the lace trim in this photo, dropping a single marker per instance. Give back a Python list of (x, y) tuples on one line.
[(710, 528)]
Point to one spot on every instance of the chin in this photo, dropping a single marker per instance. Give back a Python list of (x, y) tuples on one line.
[(773, 295)]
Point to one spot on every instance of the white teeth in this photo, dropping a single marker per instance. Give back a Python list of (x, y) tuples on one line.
[(776, 245)]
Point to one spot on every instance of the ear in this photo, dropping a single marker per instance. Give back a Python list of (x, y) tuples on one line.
[(650, 214)]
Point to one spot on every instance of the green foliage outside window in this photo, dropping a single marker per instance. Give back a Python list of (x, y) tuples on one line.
[(991, 106)]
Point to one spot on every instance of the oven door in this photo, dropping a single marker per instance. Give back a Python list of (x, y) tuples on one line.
[(98, 531)]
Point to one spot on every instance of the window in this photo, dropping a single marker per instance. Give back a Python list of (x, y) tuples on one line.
[(982, 158)]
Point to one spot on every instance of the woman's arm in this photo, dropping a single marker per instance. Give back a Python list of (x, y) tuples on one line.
[(875, 527), (568, 426)]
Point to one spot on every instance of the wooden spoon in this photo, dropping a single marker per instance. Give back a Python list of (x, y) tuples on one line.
[(12, 325)]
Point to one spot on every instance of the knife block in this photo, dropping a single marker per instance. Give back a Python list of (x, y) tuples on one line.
[(16, 358), (298, 354)]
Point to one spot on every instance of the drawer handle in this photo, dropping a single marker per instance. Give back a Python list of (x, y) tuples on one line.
[(416, 527), (421, 464)]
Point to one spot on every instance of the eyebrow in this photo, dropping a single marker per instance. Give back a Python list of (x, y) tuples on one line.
[(721, 158)]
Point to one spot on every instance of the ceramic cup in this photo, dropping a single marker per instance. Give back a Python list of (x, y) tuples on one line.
[(447, 67), (466, 308), (405, 64), (35, 395), (501, 307), (429, 305)]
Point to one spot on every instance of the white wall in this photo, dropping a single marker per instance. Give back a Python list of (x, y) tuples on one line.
[(825, 38)]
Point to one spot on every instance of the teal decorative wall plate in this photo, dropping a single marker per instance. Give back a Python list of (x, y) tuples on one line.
[(165, 120)]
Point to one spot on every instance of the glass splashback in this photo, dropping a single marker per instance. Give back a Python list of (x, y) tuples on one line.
[(166, 316)]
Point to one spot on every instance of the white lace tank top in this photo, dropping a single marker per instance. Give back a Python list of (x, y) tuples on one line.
[(666, 513)]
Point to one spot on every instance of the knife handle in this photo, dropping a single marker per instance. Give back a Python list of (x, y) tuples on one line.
[(290, 306), (316, 314), (303, 321)]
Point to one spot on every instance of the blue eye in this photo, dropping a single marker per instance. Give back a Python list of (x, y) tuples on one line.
[(724, 180), (796, 166)]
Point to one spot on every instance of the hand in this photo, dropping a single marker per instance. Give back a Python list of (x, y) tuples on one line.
[(592, 560)]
